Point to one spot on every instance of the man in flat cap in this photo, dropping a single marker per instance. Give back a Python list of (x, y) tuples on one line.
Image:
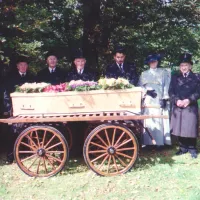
[(80, 70), (184, 92), (121, 68), (52, 73)]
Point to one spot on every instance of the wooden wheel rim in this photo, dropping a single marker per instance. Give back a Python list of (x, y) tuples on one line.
[(55, 169), (107, 156)]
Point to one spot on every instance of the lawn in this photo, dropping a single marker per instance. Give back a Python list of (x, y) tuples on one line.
[(157, 175)]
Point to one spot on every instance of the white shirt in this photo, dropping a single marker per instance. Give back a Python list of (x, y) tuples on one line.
[(24, 74), (50, 69), (153, 71), (121, 68), (80, 71), (186, 74)]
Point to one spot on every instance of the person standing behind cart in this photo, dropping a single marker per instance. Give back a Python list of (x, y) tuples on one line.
[(17, 77), (184, 92), (80, 70), (51, 74), (155, 83), (121, 68)]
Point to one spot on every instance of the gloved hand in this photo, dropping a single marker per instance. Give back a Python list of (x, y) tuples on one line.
[(163, 103), (151, 93)]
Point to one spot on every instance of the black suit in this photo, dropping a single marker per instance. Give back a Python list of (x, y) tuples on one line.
[(56, 77), (85, 76), (128, 72)]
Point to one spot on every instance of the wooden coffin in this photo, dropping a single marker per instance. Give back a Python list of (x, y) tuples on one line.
[(77, 102)]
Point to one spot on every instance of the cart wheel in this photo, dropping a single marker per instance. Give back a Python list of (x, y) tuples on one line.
[(111, 150), (41, 151)]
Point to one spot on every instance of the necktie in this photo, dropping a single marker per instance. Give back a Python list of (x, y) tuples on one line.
[(22, 75), (52, 71), (80, 71), (185, 75)]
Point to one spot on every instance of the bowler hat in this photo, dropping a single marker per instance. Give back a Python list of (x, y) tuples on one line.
[(21, 59), (152, 58), (186, 58), (51, 53), (119, 49), (78, 54)]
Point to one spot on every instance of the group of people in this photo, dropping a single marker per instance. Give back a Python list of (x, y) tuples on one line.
[(162, 94)]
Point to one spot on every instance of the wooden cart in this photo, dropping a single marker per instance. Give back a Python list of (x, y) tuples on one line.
[(111, 147)]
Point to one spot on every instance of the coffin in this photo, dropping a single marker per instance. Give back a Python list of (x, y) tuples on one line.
[(77, 102)]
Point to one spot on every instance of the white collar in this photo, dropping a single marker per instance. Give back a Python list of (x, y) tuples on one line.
[(50, 69), (80, 70), (22, 73), (186, 74)]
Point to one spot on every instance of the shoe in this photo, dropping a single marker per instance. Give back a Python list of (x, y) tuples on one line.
[(180, 152), (194, 154), (10, 158)]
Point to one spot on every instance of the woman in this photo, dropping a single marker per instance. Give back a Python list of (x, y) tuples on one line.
[(184, 92), (155, 82)]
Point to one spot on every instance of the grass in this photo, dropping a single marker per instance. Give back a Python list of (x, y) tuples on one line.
[(157, 175)]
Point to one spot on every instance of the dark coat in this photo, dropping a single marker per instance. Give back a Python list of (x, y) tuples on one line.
[(129, 72), (11, 80), (15, 78), (57, 77), (184, 121), (87, 75)]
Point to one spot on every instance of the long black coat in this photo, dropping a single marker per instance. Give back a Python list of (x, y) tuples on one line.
[(57, 77), (184, 121), (85, 76), (129, 72)]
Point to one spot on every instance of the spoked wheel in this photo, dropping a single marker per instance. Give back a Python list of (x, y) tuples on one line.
[(111, 150), (41, 151)]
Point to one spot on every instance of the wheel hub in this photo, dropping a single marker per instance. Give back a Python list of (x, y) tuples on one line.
[(111, 150), (41, 152)]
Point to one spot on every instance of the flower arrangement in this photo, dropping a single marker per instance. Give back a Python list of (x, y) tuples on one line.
[(79, 85), (31, 87), (82, 85), (113, 84)]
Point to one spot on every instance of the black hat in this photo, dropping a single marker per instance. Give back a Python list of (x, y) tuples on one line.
[(119, 49), (51, 53), (22, 59), (186, 58), (78, 54), (152, 58)]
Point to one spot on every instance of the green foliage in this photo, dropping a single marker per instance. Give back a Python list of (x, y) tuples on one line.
[(31, 28)]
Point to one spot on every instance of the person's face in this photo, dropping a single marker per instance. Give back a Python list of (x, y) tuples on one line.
[(52, 61), (79, 63), (153, 64), (185, 67), (22, 67), (119, 58)]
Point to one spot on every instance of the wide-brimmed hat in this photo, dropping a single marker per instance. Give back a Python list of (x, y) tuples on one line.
[(185, 58), (51, 53), (152, 58)]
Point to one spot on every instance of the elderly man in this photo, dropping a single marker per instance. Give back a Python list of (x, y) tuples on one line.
[(51, 74), (17, 77), (155, 83), (184, 92), (120, 68), (80, 71)]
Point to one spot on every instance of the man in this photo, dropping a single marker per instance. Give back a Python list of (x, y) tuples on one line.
[(184, 92), (51, 74), (155, 83), (18, 77), (120, 68), (80, 71)]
